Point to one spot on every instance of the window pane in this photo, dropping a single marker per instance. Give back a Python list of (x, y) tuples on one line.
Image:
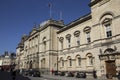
[(61, 45), (78, 43), (69, 43), (88, 37), (108, 30), (88, 40), (70, 62), (109, 34), (79, 61), (62, 62)]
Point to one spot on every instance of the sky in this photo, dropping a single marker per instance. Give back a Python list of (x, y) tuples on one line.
[(17, 17)]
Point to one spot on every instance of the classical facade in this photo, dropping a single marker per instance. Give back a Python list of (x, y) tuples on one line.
[(38, 50), (90, 43)]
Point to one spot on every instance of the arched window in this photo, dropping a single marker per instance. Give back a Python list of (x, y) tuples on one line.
[(61, 42), (69, 61), (88, 37), (106, 22), (68, 37), (78, 60), (44, 44), (43, 63), (77, 35), (62, 62), (90, 59), (87, 31)]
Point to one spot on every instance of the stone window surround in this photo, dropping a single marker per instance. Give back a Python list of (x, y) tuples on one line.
[(89, 58), (78, 58)]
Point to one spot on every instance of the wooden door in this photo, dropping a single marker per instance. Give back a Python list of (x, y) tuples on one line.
[(110, 67)]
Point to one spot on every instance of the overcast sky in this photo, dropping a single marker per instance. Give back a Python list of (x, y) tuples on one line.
[(17, 17)]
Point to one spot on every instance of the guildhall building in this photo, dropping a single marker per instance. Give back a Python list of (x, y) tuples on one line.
[(90, 43)]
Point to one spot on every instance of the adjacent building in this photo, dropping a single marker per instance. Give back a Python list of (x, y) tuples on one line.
[(90, 43), (7, 61)]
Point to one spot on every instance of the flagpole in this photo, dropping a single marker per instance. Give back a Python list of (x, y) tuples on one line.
[(50, 10), (60, 15)]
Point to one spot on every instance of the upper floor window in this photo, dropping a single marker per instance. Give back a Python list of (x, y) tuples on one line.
[(87, 31), (68, 37), (88, 37), (78, 41), (106, 22), (44, 44), (108, 30), (61, 42), (77, 35), (69, 40)]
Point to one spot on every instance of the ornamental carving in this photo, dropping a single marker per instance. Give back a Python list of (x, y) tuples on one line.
[(76, 33), (44, 38), (87, 29), (109, 51), (107, 21), (68, 36), (61, 39)]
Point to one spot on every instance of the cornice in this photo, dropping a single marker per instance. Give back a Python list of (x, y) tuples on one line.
[(94, 2), (76, 22), (32, 34)]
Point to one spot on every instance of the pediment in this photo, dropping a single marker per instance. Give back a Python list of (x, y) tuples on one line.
[(33, 32)]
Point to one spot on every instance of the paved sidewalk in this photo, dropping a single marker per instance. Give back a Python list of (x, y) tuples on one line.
[(72, 78), (4, 75)]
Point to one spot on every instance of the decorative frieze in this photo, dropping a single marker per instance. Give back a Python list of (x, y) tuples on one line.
[(77, 33), (87, 29)]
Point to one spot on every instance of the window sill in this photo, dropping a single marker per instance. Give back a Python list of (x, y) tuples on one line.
[(109, 38), (89, 65), (70, 67), (78, 66), (62, 67)]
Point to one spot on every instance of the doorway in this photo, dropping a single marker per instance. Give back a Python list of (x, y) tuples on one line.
[(111, 67)]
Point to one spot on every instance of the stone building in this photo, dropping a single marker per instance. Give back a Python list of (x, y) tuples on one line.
[(90, 43), (7, 61), (38, 50)]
